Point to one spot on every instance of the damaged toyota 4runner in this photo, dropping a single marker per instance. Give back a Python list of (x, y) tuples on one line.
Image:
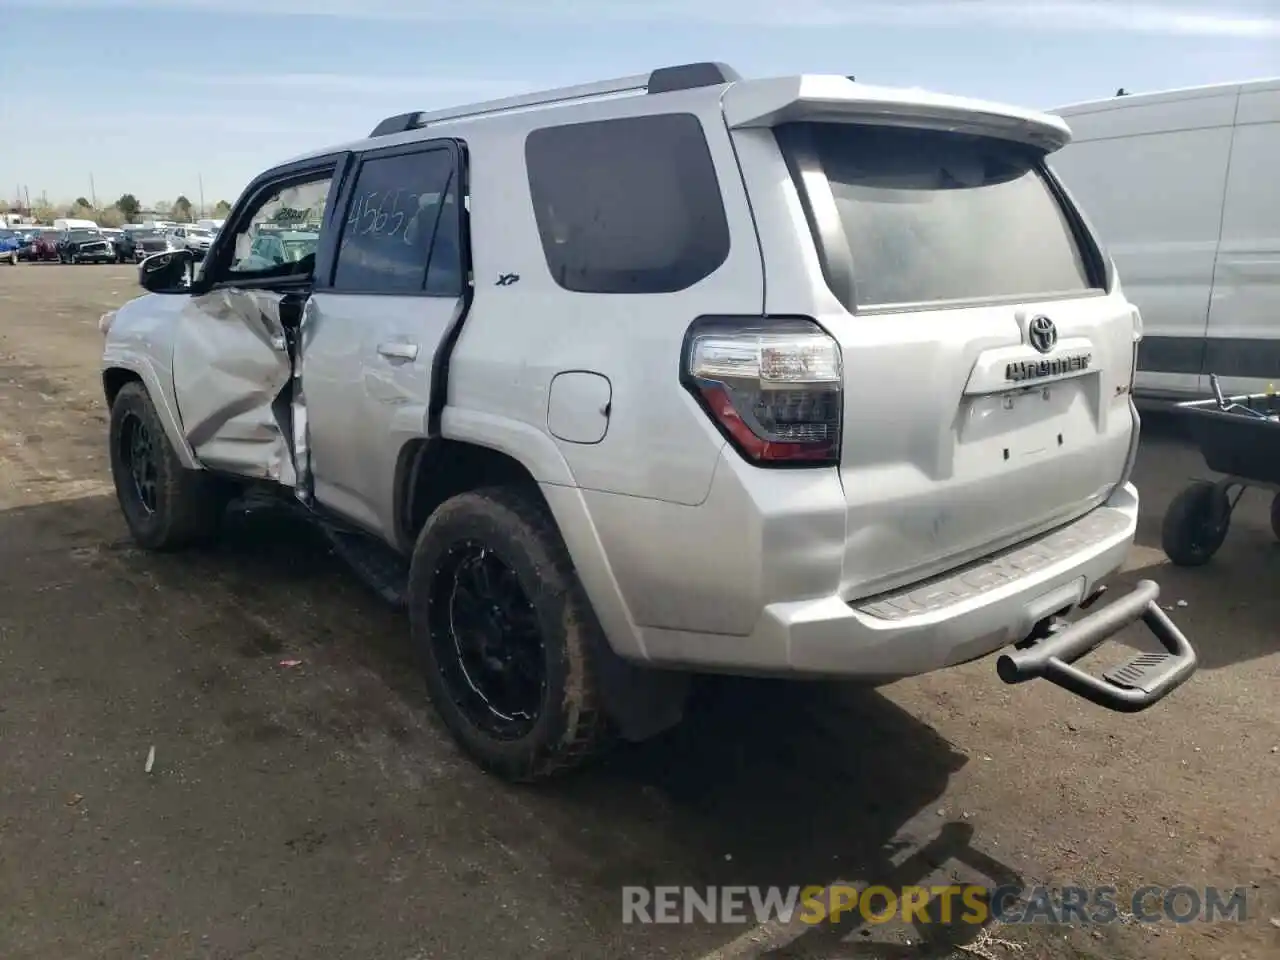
[(676, 374)]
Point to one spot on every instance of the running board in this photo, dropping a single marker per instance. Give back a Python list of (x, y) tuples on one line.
[(378, 566)]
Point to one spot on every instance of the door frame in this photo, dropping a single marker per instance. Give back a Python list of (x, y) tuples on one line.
[(334, 165), (223, 247), (409, 467)]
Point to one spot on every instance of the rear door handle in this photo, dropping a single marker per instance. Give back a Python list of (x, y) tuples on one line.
[(399, 351)]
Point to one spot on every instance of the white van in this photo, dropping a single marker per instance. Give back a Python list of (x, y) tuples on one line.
[(70, 223), (1184, 189)]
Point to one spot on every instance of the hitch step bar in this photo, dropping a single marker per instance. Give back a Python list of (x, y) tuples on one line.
[(1143, 681)]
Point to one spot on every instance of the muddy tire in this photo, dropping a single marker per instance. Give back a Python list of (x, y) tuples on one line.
[(165, 505), (13, 259), (506, 637), (1189, 534)]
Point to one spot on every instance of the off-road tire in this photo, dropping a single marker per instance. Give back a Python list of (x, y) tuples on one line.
[(13, 259), (571, 727), (1187, 535), (189, 503)]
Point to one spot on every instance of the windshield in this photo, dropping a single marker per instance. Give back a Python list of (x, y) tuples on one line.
[(935, 216), (78, 235), (145, 234), (7, 235)]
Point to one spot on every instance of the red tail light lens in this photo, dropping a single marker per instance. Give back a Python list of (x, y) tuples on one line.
[(773, 387)]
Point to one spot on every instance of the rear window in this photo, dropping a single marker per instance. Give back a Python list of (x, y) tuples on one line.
[(932, 216)]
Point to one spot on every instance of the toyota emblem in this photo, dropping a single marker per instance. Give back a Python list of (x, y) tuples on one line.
[(1042, 334)]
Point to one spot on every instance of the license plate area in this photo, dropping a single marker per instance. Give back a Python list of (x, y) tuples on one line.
[(1020, 424)]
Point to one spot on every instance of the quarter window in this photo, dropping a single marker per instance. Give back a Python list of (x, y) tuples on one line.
[(629, 205), (401, 229)]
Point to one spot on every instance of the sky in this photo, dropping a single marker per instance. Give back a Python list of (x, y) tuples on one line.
[(157, 97)]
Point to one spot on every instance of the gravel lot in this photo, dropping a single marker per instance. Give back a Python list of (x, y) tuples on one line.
[(320, 811)]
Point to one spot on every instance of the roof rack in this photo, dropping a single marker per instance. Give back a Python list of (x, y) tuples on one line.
[(687, 76)]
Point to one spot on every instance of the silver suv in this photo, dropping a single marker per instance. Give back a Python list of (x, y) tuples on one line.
[(676, 374)]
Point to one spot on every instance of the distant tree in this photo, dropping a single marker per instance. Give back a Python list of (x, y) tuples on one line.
[(82, 211), (44, 212), (82, 202), (111, 217), (222, 210), (4, 207), (181, 210), (163, 208), (128, 206)]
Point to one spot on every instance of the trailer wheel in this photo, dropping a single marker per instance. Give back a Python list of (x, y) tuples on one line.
[(1192, 531)]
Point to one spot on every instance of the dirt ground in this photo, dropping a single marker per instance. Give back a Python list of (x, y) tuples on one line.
[(320, 811)]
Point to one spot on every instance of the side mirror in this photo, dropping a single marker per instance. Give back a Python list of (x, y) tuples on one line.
[(169, 272)]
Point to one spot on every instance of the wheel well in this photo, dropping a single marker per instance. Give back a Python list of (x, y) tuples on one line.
[(114, 379), (432, 471)]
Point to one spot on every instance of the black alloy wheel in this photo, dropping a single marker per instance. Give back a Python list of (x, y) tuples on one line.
[(486, 639), (138, 452)]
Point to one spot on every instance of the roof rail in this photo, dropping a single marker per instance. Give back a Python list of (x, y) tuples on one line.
[(686, 76)]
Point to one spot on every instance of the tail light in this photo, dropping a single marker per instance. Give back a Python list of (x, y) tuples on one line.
[(774, 387)]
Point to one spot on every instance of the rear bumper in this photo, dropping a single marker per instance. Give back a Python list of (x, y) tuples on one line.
[(966, 614)]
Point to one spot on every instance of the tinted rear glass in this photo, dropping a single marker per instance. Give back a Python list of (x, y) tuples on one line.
[(933, 216), (629, 205)]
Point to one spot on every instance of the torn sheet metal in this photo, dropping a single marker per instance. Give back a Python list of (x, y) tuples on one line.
[(301, 429), (233, 374)]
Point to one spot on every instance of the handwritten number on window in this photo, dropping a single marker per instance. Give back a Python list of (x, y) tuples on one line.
[(389, 214)]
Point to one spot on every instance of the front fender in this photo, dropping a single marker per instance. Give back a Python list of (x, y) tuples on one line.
[(140, 341)]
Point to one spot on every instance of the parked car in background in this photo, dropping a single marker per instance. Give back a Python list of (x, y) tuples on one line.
[(137, 244), (85, 246), (43, 247), (195, 239), (213, 226), (274, 248), (10, 243), (70, 223), (27, 236)]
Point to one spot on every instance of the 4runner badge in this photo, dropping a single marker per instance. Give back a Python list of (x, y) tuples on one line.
[(1021, 371)]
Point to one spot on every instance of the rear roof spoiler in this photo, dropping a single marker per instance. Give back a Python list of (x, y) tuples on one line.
[(833, 99)]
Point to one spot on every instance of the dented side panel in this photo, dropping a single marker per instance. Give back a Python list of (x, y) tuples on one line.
[(232, 373)]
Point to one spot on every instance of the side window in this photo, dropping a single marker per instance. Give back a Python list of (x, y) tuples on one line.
[(400, 234), (629, 205), (296, 206)]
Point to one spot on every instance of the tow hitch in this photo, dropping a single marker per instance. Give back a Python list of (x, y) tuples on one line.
[(1144, 680)]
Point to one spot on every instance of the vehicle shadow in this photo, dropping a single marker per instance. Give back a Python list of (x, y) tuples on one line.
[(766, 783), (769, 783)]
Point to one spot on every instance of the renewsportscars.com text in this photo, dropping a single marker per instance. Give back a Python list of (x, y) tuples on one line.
[(972, 904)]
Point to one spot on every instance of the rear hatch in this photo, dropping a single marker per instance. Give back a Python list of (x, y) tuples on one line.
[(986, 367)]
